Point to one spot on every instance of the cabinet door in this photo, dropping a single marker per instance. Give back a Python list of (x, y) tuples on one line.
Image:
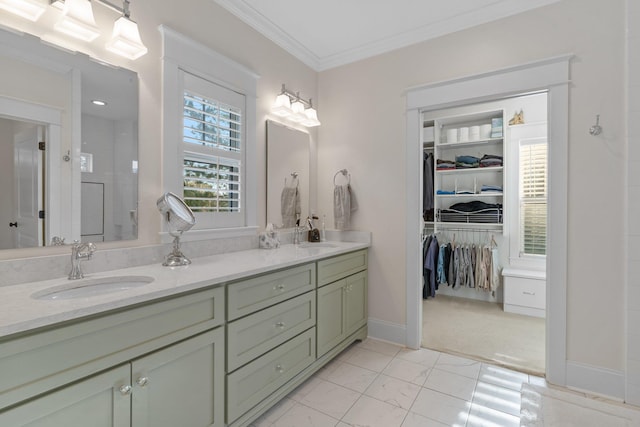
[(355, 315), (95, 401), (182, 385), (331, 309)]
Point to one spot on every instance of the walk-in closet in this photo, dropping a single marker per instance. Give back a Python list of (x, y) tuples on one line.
[(483, 240)]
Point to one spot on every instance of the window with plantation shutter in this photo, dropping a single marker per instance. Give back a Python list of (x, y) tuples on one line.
[(533, 196), (213, 152)]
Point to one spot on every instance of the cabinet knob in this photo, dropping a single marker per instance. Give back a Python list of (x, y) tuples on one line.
[(142, 381), (279, 287), (279, 368), (125, 389), (528, 293), (280, 325)]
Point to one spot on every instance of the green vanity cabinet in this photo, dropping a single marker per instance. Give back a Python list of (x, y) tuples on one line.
[(140, 366), (342, 310), (342, 298), (181, 385)]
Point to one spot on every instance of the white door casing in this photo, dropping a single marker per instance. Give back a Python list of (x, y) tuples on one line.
[(29, 230)]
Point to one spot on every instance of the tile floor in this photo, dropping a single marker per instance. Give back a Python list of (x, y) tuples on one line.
[(377, 384)]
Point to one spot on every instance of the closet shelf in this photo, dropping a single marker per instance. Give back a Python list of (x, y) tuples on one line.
[(470, 170), (473, 195), (470, 225), (445, 145)]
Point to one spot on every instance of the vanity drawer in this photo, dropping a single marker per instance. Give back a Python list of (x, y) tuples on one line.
[(247, 296), (339, 267), (247, 386), (251, 336), (43, 360), (525, 292)]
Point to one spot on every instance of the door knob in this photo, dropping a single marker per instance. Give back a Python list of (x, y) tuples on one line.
[(13, 224)]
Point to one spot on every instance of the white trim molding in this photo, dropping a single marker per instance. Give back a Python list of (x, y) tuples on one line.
[(180, 53), (387, 331), (596, 380), (551, 75)]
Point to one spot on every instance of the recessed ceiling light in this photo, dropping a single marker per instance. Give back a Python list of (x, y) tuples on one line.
[(98, 102)]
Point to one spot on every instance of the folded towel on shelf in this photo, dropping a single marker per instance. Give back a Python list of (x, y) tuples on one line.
[(463, 162), (490, 160), (442, 164), (290, 206), (344, 203), (491, 188)]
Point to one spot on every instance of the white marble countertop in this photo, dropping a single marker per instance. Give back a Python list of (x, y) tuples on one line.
[(20, 312)]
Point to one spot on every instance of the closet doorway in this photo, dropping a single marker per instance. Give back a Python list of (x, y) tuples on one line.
[(484, 231)]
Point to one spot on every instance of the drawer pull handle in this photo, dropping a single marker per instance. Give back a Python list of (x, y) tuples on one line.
[(142, 381), (279, 369), (280, 325), (279, 287), (528, 293), (125, 390)]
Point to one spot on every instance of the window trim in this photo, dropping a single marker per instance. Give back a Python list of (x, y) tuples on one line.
[(181, 54), (516, 134)]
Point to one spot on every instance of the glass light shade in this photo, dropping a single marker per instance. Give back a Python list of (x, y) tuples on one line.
[(311, 118), (282, 106), (28, 9), (77, 20), (297, 111), (125, 40)]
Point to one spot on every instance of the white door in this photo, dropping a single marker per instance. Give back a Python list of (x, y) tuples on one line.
[(28, 192)]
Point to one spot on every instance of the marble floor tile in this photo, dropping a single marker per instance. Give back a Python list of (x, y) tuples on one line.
[(416, 420), (330, 399), (268, 418), (458, 365), (441, 407), (381, 346), (303, 389), (498, 398), (371, 412), (480, 416), (368, 359), (502, 377), (300, 415), (352, 377), (407, 371), (393, 391), (452, 384), (423, 356)]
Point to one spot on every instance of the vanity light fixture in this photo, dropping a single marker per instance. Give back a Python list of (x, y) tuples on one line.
[(77, 21), (290, 106), (125, 40), (27, 9)]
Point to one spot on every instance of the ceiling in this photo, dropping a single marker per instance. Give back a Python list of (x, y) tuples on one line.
[(328, 33)]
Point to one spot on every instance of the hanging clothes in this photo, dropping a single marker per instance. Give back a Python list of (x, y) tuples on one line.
[(468, 265), (427, 187), (430, 263)]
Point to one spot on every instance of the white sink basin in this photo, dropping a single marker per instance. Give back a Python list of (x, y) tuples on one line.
[(306, 245), (92, 287)]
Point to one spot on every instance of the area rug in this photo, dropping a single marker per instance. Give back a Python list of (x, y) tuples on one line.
[(548, 407)]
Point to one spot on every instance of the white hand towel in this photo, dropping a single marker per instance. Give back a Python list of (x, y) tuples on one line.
[(290, 206), (344, 203)]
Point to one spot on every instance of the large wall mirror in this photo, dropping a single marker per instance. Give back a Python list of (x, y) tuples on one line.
[(68, 146), (287, 173)]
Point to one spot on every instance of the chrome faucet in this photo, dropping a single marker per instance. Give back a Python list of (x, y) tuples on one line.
[(80, 251)]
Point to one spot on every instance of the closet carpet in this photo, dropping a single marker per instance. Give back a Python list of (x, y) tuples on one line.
[(483, 331)]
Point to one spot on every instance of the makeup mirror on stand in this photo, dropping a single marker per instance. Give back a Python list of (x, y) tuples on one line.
[(179, 218)]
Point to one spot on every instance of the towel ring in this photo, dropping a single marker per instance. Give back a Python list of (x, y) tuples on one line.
[(343, 172)]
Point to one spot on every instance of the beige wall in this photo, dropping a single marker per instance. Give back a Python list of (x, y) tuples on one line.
[(364, 131)]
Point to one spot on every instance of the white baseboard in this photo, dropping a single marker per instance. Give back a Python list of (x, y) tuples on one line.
[(387, 331), (591, 379)]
